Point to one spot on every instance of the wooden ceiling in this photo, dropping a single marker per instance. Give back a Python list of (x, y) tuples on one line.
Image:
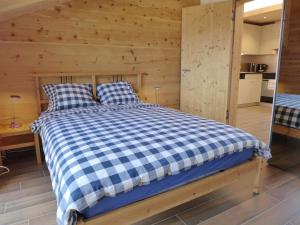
[(13, 8)]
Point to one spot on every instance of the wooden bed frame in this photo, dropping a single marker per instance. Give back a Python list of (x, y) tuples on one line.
[(148, 207), (68, 78), (287, 131)]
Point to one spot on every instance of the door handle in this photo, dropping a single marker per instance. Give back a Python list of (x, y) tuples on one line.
[(186, 70)]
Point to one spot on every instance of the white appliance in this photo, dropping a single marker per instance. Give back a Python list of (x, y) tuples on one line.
[(250, 88), (267, 90)]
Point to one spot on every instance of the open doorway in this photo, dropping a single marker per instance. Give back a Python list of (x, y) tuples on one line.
[(259, 52)]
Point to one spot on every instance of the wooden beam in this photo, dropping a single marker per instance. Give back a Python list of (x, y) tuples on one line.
[(216, 1), (243, 1), (211, 1), (235, 63), (13, 8)]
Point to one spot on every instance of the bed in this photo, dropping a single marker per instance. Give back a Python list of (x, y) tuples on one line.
[(109, 162), (287, 115)]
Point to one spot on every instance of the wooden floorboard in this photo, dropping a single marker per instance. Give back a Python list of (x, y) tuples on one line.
[(280, 213), (26, 196), (243, 211), (256, 120)]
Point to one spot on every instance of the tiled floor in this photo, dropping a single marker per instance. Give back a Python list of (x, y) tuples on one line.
[(26, 198)]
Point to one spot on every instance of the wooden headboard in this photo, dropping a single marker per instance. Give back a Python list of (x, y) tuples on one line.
[(92, 78)]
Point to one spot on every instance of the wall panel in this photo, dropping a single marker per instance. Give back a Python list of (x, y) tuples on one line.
[(92, 35), (289, 76)]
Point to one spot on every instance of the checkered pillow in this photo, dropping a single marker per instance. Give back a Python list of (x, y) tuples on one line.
[(49, 89), (68, 96), (118, 93)]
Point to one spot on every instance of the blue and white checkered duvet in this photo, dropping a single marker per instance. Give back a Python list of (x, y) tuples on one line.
[(105, 150), (287, 110)]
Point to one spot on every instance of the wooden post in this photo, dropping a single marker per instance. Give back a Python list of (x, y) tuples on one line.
[(235, 63), (37, 148), (139, 82), (38, 95), (258, 178), (39, 110), (94, 83)]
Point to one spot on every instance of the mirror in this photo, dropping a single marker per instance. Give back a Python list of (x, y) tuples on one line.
[(285, 137)]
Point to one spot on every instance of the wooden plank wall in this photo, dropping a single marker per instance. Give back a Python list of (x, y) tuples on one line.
[(92, 35), (289, 80)]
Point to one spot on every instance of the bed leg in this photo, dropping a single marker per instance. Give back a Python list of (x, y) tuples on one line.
[(37, 149), (258, 177)]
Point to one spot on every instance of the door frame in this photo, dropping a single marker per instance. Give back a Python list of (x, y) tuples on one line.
[(235, 61), (236, 58)]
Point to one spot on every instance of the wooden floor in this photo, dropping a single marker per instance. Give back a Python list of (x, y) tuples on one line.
[(26, 198), (256, 120)]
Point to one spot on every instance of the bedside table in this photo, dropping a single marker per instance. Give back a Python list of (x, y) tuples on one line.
[(14, 138)]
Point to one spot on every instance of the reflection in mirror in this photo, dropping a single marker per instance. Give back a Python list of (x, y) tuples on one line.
[(285, 142)]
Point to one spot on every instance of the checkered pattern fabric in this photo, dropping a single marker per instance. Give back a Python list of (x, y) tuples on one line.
[(105, 150), (118, 93), (287, 110), (49, 90), (68, 96)]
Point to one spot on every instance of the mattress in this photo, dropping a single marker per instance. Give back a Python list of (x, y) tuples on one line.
[(107, 204), (287, 110)]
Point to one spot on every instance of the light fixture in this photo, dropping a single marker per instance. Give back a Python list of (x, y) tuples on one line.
[(14, 123), (258, 4), (265, 17)]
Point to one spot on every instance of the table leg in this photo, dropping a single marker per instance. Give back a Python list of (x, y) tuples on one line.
[(37, 148)]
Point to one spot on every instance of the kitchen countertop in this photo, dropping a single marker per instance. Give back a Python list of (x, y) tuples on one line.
[(258, 72), (266, 75)]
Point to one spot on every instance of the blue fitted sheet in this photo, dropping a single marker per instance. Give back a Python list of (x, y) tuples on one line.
[(107, 204)]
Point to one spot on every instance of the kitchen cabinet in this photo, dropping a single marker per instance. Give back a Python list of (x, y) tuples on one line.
[(250, 89), (269, 38), (260, 40), (251, 39)]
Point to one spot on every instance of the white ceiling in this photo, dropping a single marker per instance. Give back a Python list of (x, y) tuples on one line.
[(264, 15), (259, 4)]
